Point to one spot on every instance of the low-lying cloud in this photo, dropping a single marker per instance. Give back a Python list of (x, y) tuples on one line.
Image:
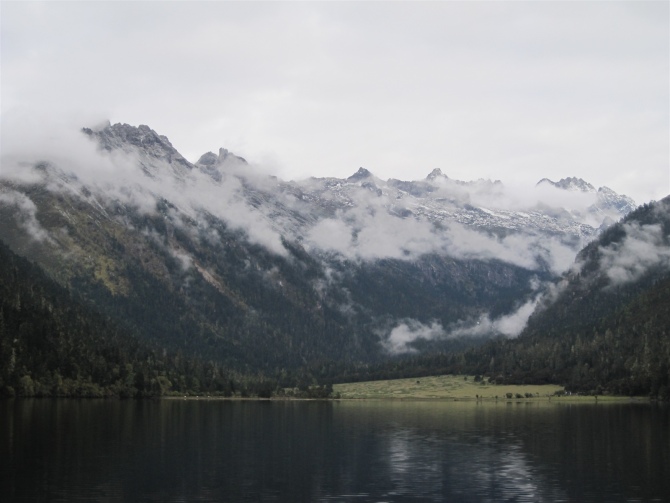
[(25, 214), (644, 247), (509, 325), (363, 235), (535, 228), (400, 339)]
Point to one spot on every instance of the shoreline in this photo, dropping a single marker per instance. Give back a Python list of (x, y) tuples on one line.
[(544, 399)]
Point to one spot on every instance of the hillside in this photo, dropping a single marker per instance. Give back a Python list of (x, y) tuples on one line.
[(219, 261), (51, 344), (609, 327)]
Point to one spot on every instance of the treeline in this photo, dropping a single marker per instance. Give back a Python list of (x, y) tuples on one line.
[(627, 353), (53, 345)]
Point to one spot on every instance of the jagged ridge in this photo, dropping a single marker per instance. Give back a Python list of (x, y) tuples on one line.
[(215, 259)]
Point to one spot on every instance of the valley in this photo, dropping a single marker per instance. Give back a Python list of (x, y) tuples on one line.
[(261, 284)]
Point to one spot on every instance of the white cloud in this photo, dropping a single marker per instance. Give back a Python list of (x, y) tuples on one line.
[(365, 228), (116, 175), (643, 247), (367, 231), (509, 325), (25, 214), (400, 339), (331, 234)]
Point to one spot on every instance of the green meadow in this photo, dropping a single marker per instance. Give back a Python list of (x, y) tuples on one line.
[(455, 387)]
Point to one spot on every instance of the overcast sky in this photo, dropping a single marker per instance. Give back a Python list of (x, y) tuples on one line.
[(515, 91)]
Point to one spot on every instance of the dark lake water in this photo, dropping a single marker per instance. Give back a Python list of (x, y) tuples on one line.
[(197, 450)]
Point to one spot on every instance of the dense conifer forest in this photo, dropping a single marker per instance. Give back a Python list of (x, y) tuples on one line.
[(53, 344)]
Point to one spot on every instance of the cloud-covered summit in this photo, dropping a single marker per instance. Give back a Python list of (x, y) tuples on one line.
[(361, 217), (141, 140), (212, 164), (570, 183)]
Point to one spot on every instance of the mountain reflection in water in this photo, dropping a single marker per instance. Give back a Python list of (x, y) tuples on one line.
[(197, 450)]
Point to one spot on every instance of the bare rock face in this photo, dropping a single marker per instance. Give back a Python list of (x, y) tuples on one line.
[(571, 183), (361, 174), (608, 207), (151, 148), (214, 165), (207, 159), (436, 174), (610, 200)]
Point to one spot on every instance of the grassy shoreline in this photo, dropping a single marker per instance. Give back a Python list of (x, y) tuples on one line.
[(457, 387)]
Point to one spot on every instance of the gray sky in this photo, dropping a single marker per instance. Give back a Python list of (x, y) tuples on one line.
[(515, 91)]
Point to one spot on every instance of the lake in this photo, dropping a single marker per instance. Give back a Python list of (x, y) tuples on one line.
[(218, 450)]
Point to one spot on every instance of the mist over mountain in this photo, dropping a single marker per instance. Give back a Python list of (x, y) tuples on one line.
[(218, 258), (603, 327)]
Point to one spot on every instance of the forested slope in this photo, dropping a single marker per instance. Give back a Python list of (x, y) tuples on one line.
[(53, 345), (609, 326)]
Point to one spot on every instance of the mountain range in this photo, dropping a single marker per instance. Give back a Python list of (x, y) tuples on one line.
[(218, 260)]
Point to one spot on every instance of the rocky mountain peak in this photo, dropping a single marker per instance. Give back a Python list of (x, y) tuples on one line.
[(119, 135), (140, 140), (211, 163), (224, 156), (207, 159), (570, 183), (608, 199), (436, 173), (361, 174), (608, 205)]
